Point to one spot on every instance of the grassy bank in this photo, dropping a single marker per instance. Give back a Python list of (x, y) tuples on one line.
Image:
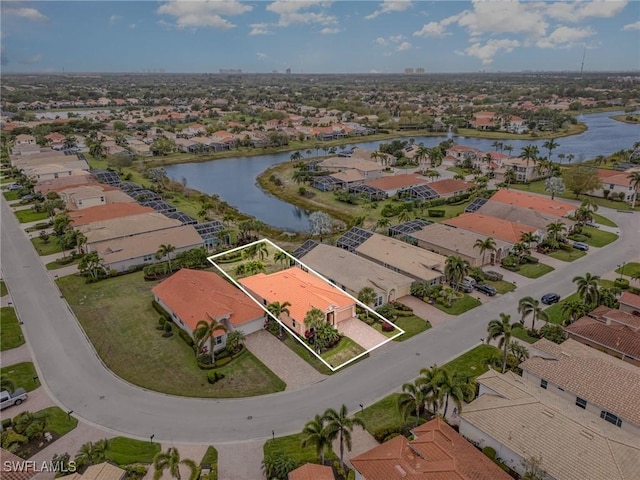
[(10, 331)]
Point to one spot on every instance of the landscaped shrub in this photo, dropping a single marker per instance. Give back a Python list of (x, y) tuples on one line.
[(221, 362), (387, 327), (510, 263), (168, 330), (135, 472), (530, 259), (578, 237), (565, 246), (156, 306), (436, 213), (11, 440), (436, 202), (186, 337), (6, 423), (622, 283), (493, 276), (402, 307), (386, 311), (386, 433), (214, 376), (490, 452), (42, 226)]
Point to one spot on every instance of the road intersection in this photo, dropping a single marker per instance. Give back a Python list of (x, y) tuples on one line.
[(75, 377)]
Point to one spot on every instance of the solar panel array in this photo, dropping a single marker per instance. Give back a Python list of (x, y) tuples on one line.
[(371, 192), (305, 248), (408, 227), (353, 238), (107, 176), (183, 217), (475, 205), (209, 230), (159, 206), (144, 196), (423, 192)]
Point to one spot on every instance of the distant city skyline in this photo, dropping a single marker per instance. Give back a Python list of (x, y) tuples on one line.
[(191, 36)]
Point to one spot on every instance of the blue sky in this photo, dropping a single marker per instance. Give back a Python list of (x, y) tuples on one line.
[(319, 36)]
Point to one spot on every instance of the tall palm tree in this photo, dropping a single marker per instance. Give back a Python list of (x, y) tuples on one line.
[(530, 153), (383, 223), (510, 176), (259, 250), (573, 310), (530, 306), (555, 229), (455, 269), (634, 177), (528, 238), (588, 288), (204, 331), (278, 309), (488, 244), (166, 251), (411, 400), (404, 216), (340, 426), (428, 383), (316, 433), (504, 330), (367, 296), (314, 318), (456, 387), (280, 257), (550, 145), (170, 460)]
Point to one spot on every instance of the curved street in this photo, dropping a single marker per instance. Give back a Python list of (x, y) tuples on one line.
[(75, 377)]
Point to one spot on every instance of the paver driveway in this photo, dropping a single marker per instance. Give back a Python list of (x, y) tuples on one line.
[(361, 333)]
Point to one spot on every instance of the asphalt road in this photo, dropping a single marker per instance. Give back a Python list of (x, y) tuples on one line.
[(75, 377)]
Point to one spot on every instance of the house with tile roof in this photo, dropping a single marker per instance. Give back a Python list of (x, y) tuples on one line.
[(451, 187), (304, 291), (393, 183), (492, 226), (312, 471), (616, 183), (368, 169), (86, 196), (102, 213), (525, 216), (101, 471), (535, 202), (437, 452), (588, 379), (189, 296), (521, 421), (120, 227), (630, 302)]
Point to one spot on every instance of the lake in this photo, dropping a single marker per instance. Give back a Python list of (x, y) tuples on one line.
[(234, 179)]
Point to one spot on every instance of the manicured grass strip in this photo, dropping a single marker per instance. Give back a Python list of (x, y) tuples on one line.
[(10, 331), (521, 334), (343, 352), (461, 305), (378, 328), (383, 414), (567, 255), (555, 312), (55, 265), (306, 355), (57, 420), (603, 220), (246, 376), (26, 216), (291, 445), (210, 456), (49, 248), (629, 269), (124, 451), (534, 270), (474, 362), (599, 238), (12, 195), (22, 375), (412, 326), (502, 286), (3, 289)]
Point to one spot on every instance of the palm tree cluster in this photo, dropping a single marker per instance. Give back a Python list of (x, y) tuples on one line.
[(171, 461), (455, 269), (502, 329), (92, 453)]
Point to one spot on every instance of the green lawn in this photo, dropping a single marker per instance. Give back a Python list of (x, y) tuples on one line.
[(125, 451), (26, 216), (12, 195), (291, 445), (555, 312), (306, 355), (343, 352), (383, 414), (57, 420), (522, 335), (10, 331), (534, 270), (210, 456), (629, 269), (567, 255), (378, 328), (599, 238), (502, 286), (461, 305), (412, 325), (450, 211), (459, 170), (473, 362), (3, 289), (55, 265), (49, 248), (603, 220), (22, 375), (117, 315)]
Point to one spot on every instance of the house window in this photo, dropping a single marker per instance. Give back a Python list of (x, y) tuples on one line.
[(294, 323), (581, 402), (147, 258), (543, 383), (612, 186), (218, 340), (611, 418), (379, 301)]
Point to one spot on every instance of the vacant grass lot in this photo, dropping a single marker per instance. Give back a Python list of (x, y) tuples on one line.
[(22, 375), (599, 238), (343, 352), (3, 288), (10, 331), (567, 255), (461, 305), (534, 270), (49, 248), (118, 318), (291, 445), (629, 269), (125, 451), (26, 216)]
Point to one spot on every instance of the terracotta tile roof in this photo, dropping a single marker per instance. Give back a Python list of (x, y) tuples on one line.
[(588, 373), (302, 290), (450, 185), (615, 336), (458, 239), (536, 202), (195, 295), (57, 184), (620, 178), (394, 182), (630, 299), (526, 216), (106, 212), (311, 471), (103, 471), (490, 226), (348, 176), (126, 226), (9, 473), (438, 453)]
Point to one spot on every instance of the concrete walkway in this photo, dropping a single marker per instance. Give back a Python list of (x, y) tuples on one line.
[(240, 460), (361, 333), (281, 360), (361, 441), (15, 355)]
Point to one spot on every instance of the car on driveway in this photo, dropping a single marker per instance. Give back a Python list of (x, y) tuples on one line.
[(486, 289), (581, 246), (465, 287), (550, 298)]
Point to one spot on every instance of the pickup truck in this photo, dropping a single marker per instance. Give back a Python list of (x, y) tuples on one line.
[(15, 398)]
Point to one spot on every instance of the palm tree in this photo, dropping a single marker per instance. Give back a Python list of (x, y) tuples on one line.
[(204, 331), (170, 460), (367, 296), (411, 400), (383, 223), (634, 178), (314, 318), (278, 465), (280, 257), (278, 309), (530, 306), (259, 250), (550, 145), (554, 185), (455, 269), (317, 434), (295, 156), (459, 388), (488, 244), (588, 288), (97, 150), (91, 263), (573, 310), (92, 453), (530, 153), (428, 383), (510, 176), (421, 153), (504, 329), (166, 251), (528, 238), (404, 216), (519, 351), (340, 425), (636, 276), (556, 229)]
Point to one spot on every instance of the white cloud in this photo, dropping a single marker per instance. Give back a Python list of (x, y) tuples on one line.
[(259, 29), (296, 12), (208, 13), (495, 17), (564, 37), (403, 46), (114, 18), (381, 41), (431, 29), (24, 12), (390, 6), (261, 55), (632, 26), (486, 52), (396, 38), (329, 31), (580, 10), (132, 26)]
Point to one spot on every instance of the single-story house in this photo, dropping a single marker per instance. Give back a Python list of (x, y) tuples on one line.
[(437, 451), (101, 213), (497, 228), (352, 273), (125, 227), (368, 169), (86, 196), (101, 471), (451, 187), (393, 183), (50, 171), (57, 184), (630, 302), (190, 296), (536, 202), (312, 471), (522, 215), (304, 291)]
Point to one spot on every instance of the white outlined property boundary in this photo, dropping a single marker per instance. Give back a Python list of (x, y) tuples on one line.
[(298, 262)]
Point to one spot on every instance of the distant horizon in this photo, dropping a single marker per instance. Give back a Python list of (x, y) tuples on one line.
[(316, 36)]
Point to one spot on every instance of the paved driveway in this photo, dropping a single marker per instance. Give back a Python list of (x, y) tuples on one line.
[(426, 311), (361, 333)]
